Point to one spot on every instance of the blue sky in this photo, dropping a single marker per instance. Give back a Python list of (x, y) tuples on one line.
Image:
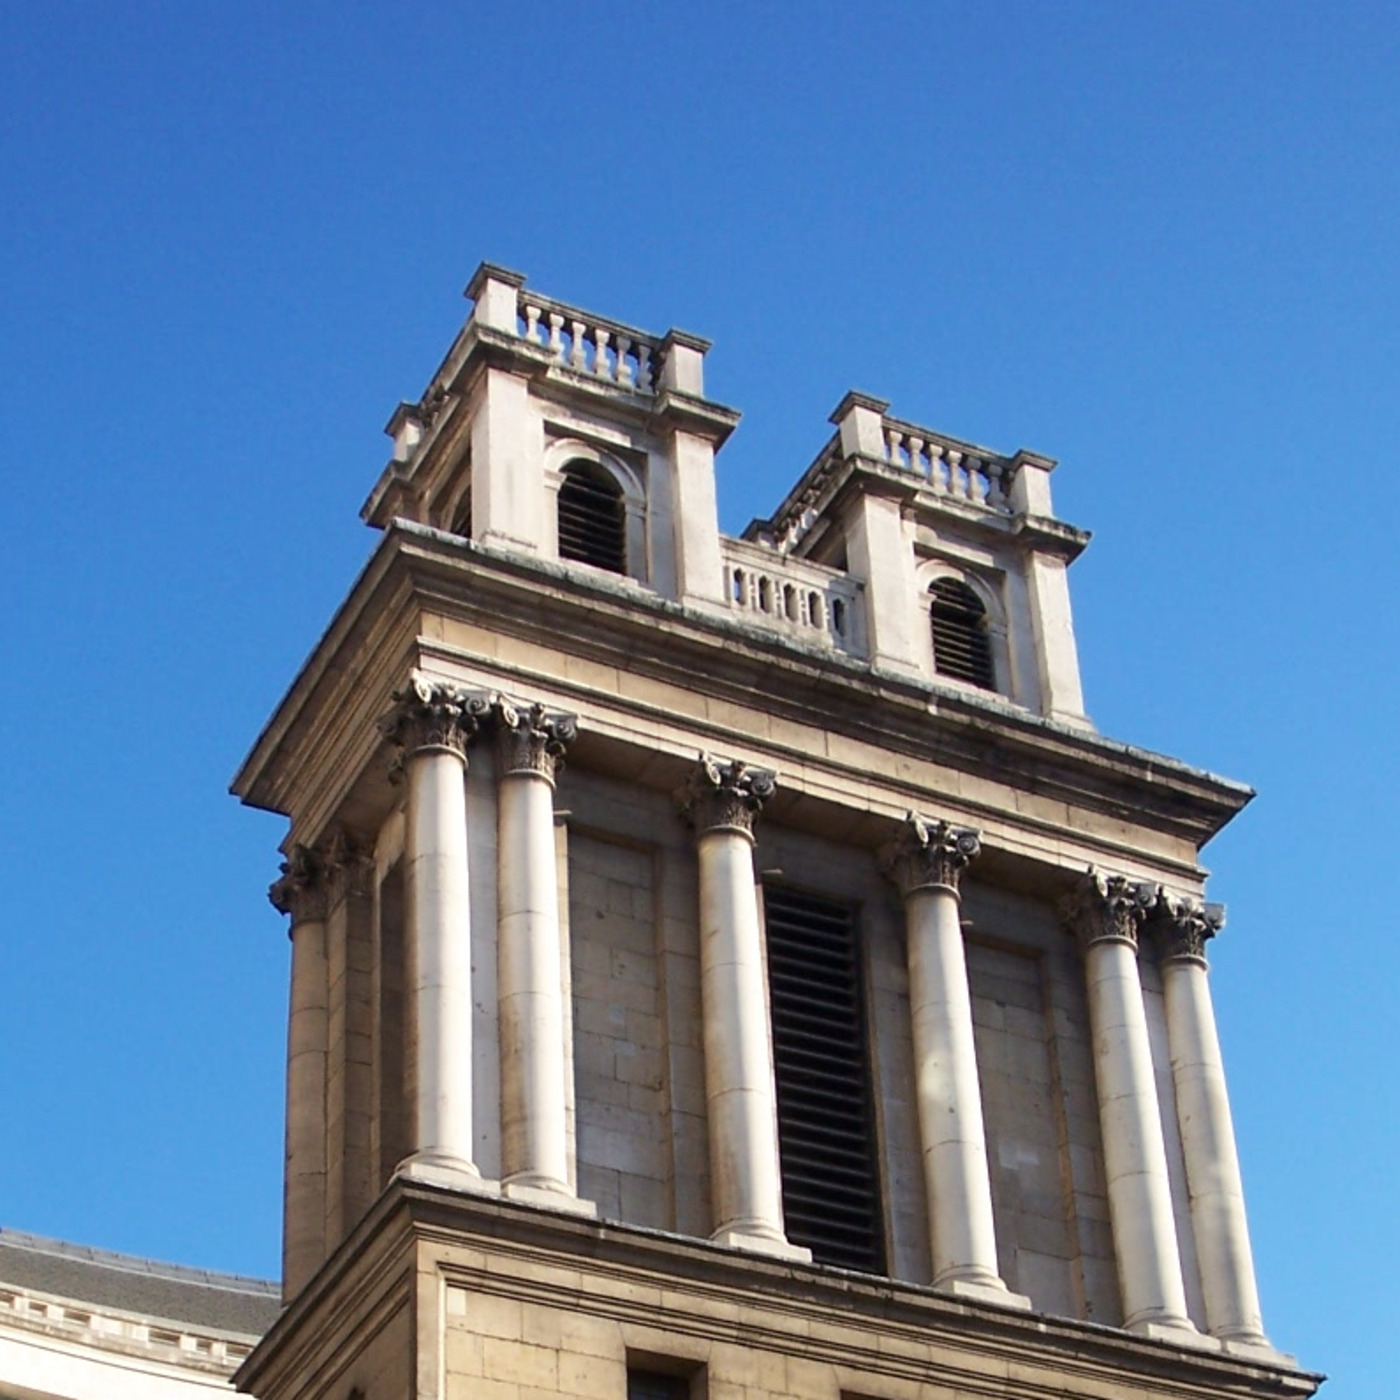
[(1158, 243)]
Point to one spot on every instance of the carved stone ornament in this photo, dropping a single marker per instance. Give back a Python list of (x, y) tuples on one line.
[(531, 740), (300, 891), (929, 855), (434, 715), (1108, 908), (1184, 926), (349, 866), (724, 796)]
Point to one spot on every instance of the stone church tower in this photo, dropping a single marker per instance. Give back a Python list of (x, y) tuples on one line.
[(733, 969)]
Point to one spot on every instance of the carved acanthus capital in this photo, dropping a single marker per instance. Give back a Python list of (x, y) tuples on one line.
[(1108, 908), (300, 891), (434, 715), (349, 863), (530, 739), (1184, 926), (929, 855), (724, 796)]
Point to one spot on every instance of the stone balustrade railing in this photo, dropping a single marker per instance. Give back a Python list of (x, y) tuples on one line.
[(958, 470), (794, 596), (590, 345)]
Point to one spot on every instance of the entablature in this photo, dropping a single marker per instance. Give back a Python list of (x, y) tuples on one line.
[(653, 680)]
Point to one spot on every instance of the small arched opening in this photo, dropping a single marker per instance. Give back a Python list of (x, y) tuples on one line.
[(592, 517), (962, 647)]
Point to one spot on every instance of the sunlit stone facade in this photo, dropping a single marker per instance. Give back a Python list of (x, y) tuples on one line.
[(733, 965)]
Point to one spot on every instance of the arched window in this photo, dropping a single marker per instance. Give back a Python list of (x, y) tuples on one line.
[(592, 518), (962, 648)]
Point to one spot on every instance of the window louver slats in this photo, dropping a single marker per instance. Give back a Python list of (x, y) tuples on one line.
[(830, 1198), (592, 527), (961, 647)]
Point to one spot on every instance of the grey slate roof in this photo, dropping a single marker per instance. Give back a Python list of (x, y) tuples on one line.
[(188, 1298)]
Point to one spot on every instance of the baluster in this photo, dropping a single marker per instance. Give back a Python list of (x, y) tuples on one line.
[(916, 447), (996, 497), (974, 480), (644, 367), (532, 324), (936, 467), (892, 441), (954, 473), (556, 339), (600, 353), (578, 350), (624, 369)]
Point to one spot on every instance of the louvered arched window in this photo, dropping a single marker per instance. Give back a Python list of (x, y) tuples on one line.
[(592, 518), (962, 647)]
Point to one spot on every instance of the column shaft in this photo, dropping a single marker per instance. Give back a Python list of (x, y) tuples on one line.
[(739, 1085), (1212, 1164), (925, 861), (1135, 1154), (949, 1095), (534, 1148), (304, 1200), (439, 958), (300, 892), (722, 801)]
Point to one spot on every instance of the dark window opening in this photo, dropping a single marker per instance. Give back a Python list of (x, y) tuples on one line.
[(592, 518), (962, 646), (831, 1201), (656, 1385), (462, 524)]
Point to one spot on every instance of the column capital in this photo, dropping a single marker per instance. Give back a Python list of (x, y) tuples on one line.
[(349, 864), (530, 739), (1107, 908), (301, 889), (1184, 925), (929, 854), (431, 714), (721, 796)]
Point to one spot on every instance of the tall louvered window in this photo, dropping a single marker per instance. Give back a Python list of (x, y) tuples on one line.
[(592, 520), (831, 1200), (962, 647)]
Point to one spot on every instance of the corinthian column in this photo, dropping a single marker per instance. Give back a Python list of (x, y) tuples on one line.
[(432, 724), (1207, 1133), (529, 956), (1107, 912), (721, 801), (300, 892), (926, 861)]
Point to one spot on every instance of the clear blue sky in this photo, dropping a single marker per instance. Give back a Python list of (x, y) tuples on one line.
[(1157, 242)]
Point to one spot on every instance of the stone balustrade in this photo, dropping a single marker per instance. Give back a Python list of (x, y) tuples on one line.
[(590, 345), (794, 596), (958, 470)]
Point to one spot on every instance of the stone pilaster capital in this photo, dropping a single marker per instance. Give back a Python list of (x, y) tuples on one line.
[(430, 714), (1183, 926), (301, 889), (531, 740), (1107, 908), (722, 796), (349, 865), (929, 855)]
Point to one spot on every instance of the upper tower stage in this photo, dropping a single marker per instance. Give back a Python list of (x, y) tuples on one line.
[(558, 434)]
